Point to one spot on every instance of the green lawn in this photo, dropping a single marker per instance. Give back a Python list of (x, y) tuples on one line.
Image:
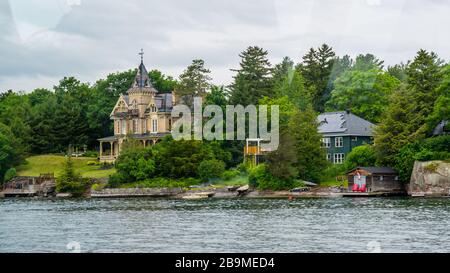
[(38, 164)]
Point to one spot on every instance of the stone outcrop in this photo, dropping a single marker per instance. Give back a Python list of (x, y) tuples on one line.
[(430, 178)]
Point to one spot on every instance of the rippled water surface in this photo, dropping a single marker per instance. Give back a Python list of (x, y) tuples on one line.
[(226, 225)]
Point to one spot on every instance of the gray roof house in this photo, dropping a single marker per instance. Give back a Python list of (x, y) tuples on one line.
[(342, 131)]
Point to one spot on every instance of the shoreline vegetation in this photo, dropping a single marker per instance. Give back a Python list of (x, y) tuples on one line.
[(408, 103)]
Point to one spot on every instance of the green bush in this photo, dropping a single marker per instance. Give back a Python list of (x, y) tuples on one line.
[(333, 170), (230, 174), (91, 154), (260, 178), (435, 148), (98, 187), (209, 169), (70, 181), (360, 156), (10, 174), (92, 163), (162, 182)]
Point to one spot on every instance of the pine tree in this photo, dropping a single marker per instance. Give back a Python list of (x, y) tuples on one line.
[(194, 81), (311, 159), (253, 78), (292, 86), (410, 106), (316, 69)]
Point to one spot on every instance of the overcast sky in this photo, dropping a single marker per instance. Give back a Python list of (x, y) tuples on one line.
[(42, 41)]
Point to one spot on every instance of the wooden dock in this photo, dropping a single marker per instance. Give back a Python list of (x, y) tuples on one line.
[(372, 194)]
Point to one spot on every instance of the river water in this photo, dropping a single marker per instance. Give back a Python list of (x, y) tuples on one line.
[(225, 225)]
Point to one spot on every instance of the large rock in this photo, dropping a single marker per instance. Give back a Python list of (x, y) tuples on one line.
[(430, 178)]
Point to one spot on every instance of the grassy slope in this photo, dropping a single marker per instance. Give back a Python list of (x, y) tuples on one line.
[(54, 163)]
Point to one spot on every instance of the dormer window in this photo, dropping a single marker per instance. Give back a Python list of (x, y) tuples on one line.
[(153, 108), (134, 104)]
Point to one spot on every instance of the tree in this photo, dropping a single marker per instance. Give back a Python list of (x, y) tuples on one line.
[(211, 168), (316, 69), (367, 62), (194, 81), (281, 162), (10, 150), (360, 156), (161, 82), (253, 79), (282, 70), (15, 112), (398, 71), (441, 109), (217, 96), (311, 159), (105, 94), (292, 86), (396, 127), (70, 181), (406, 118), (365, 93)]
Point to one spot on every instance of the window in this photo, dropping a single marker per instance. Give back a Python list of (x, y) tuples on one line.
[(154, 125), (381, 178), (144, 126), (354, 138), (124, 127), (135, 126), (326, 142), (339, 142), (338, 158), (329, 157)]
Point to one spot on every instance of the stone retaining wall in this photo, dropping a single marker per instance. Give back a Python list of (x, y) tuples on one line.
[(136, 192)]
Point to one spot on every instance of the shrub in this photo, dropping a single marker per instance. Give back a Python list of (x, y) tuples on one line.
[(70, 181), (212, 168), (435, 148), (10, 174), (91, 154), (92, 163), (98, 187), (230, 174), (360, 156), (259, 177)]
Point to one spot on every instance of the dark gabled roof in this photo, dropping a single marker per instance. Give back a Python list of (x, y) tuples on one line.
[(376, 170), (164, 102), (344, 123)]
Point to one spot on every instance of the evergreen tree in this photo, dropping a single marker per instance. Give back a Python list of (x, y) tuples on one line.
[(367, 62), (405, 120), (252, 80), (292, 86), (398, 71), (194, 81), (316, 69), (281, 162), (311, 159), (281, 70)]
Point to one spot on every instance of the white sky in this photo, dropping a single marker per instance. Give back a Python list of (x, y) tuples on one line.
[(42, 41)]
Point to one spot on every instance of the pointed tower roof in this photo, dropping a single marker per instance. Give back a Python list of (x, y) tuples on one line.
[(142, 79)]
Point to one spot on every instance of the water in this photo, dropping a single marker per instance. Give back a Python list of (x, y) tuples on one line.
[(226, 225)]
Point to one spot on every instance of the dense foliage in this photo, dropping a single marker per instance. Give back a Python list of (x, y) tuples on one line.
[(406, 101), (70, 181)]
